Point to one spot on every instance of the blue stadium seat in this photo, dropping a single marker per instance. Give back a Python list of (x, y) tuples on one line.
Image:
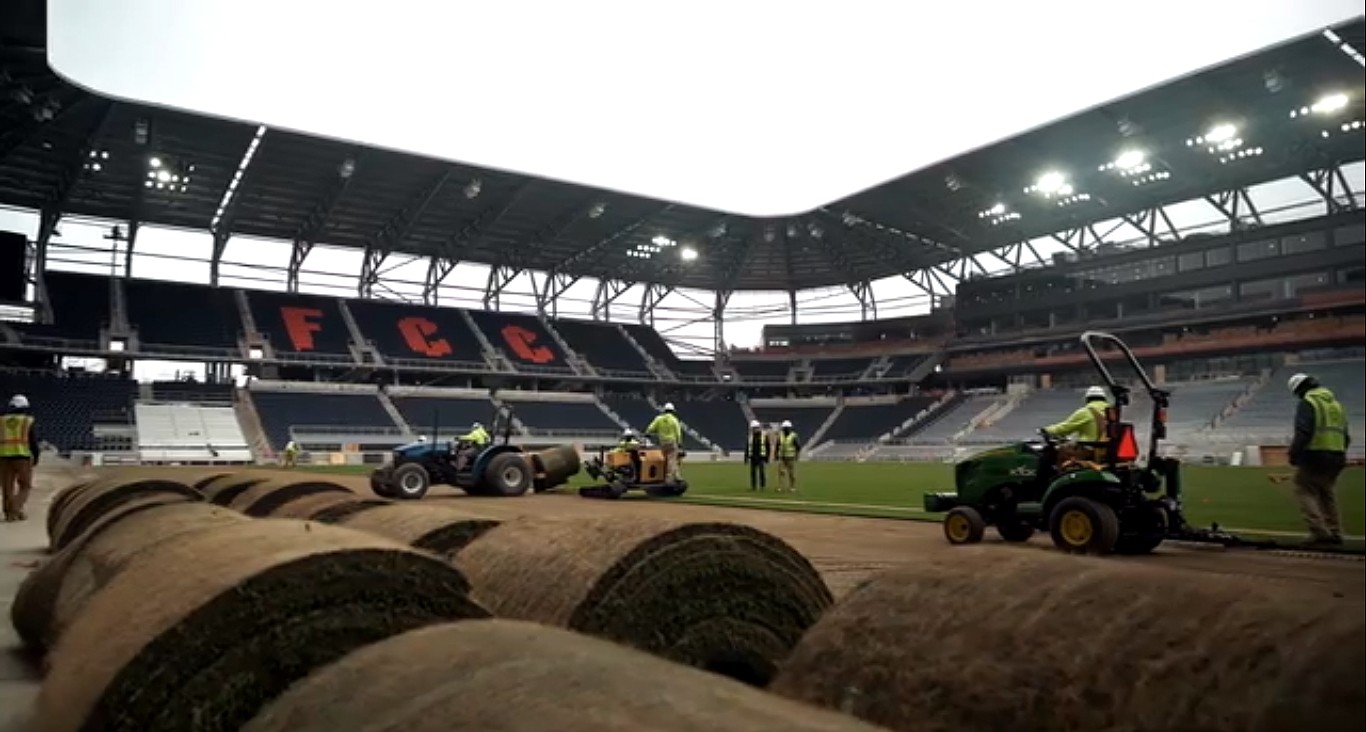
[(68, 407), (449, 417), (417, 333), (562, 417), (523, 339), (282, 410), (300, 325), (765, 371), (192, 392), (177, 314), (903, 365), (867, 422), (652, 342), (695, 368), (603, 346), (805, 420), (721, 421), (839, 369), (80, 307)]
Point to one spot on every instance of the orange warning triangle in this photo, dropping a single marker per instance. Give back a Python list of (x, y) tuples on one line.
[(1128, 445)]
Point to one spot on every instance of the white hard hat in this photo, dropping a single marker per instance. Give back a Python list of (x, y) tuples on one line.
[(477, 426), (754, 424), (628, 432), (787, 424), (1294, 384), (1096, 392), (421, 438), (668, 406), (18, 401)]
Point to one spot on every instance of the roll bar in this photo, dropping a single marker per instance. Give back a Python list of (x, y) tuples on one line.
[(1161, 398)]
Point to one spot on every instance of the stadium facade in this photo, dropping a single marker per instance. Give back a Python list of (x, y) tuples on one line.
[(1224, 314)]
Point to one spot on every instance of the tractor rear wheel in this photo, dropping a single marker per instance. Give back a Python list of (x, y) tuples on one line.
[(508, 474), (1084, 526), (1143, 531), (964, 525), (410, 482), (1014, 530)]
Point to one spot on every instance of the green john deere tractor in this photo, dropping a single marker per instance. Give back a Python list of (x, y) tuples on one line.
[(1108, 502)]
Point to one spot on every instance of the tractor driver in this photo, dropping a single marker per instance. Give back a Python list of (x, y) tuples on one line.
[(1088, 425), (470, 444), (631, 445)]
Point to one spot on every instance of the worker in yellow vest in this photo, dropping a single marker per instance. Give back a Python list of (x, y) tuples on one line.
[(291, 454), (1319, 453), (789, 449), (19, 453), (1089, 425), (668, 431), (469, 445)]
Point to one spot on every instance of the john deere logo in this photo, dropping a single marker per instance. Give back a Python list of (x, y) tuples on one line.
[(1022, 472)]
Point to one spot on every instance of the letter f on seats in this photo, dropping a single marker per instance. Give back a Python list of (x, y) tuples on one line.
[(301, 324)]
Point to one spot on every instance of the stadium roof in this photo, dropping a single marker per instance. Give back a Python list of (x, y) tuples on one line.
[(62, 148)]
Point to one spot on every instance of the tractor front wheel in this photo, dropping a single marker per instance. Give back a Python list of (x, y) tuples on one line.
[(410, 481), (964, 525), (1084, 526)]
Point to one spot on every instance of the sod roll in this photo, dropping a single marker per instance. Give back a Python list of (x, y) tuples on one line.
[(222, 490), (33, 611), (100, 558), (200, 632), (521, 677), (104, 495), (723, 597), (262, 498), (303, 507), (337, 513), (558, 464), (60, 500), (987, 641), (430, 528)]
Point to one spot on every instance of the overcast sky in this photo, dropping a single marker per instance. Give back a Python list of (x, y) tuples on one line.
[(762, 108)]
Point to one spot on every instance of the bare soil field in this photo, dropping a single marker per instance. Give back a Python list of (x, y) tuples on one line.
[(846, 550)]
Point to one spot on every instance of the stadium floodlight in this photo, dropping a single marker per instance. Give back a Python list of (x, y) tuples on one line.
[(164, 176), (1219, 139), (1051, 184), (154, 162), (688, 254), (1129, 163), (998, 214), (1330, 104), (1243, 154), (660, 240)]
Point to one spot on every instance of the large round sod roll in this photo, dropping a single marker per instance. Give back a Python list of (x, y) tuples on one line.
[(223, 490), (430, 528), (988, 641), (263, 498), (338, 513), (200, 632), (521, 677), (723, 597), (303, 507), (100, 496), (92, 558), (193, 477)]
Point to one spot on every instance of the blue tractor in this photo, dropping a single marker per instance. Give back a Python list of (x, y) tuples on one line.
[(497, 469)]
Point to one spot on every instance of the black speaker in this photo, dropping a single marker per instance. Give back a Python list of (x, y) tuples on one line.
[(13, 247)]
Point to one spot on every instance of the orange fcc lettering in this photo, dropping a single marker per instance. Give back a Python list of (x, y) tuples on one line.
[(523, 343), (417, 333), (301, 324)]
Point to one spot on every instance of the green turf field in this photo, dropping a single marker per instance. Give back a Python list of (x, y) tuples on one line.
[(1237, 498)]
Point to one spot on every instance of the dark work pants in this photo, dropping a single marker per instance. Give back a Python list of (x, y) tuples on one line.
[(757, 479)]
